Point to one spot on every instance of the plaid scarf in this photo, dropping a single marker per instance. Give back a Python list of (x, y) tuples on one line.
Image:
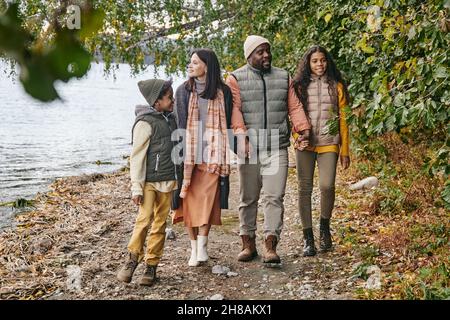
[(217, 149)]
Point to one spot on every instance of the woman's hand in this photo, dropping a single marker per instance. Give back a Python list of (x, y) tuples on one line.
[(213, 168), (138, 200), (345, 161)]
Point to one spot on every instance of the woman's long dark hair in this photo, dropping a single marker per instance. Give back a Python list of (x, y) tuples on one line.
[(214, 79), (302, 78)]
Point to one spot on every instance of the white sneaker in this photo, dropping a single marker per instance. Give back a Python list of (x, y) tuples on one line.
[(193, 259), (202, 254)]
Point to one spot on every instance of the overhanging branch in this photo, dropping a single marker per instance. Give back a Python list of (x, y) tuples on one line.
[(164, 32)]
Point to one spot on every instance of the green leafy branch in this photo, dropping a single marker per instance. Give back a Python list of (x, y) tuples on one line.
[(57, 54)]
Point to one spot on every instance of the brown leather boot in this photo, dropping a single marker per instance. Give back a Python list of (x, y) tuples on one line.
[(126, 272), (248, 249), (270, 256)]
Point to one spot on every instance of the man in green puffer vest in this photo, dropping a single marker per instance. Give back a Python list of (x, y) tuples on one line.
[(264, 106)]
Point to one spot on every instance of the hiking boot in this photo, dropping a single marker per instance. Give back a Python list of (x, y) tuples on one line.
[(126, 272), (270, 256), (248, 249), (149, 276), (326, 243), (309, 249)]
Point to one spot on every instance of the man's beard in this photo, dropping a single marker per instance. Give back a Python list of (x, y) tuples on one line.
[(266, 69)]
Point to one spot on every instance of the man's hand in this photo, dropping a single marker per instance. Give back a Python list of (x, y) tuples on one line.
[(244, 149), (301, 145), (345, 161), (138, 200)]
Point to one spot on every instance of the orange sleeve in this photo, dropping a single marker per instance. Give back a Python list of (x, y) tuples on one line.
[(237, 119), (296, 113)]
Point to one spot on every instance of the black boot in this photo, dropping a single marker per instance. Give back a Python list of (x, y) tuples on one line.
[(309, 248), (325, 236)]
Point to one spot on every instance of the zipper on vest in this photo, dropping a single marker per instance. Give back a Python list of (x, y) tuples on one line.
[(319, 90), (265, 101), (264, 143), (173, 146), (157, 162)]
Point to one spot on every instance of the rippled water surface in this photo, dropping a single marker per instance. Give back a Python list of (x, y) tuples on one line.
[(43, 141)]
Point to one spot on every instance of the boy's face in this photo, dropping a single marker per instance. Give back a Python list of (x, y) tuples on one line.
[(318, 63), (166, 102)]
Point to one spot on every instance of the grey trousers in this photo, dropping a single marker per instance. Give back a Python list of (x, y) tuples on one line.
[(269, 173), (306, 163)]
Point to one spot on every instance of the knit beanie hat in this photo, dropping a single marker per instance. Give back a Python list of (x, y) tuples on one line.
[(251, 43), (150, 89)]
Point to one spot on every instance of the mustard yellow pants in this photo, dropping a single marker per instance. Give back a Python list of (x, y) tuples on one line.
[(152, 215)]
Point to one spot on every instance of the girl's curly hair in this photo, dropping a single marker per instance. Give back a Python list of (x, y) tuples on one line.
[(302, 77)]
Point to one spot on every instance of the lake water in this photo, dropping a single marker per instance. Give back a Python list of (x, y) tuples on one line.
[(43, 141)]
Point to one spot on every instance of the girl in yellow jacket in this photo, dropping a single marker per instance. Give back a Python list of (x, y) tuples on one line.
[(323, 93)]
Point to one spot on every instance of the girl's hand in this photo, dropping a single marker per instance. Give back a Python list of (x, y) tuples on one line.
[(305, 134), (138, 200), (345, 161), (302, 140), (301, 145)]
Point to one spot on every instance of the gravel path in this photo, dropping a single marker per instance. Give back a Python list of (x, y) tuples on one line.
[(72, 245)]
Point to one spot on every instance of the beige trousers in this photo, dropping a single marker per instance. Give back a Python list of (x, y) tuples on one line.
[(269, 173)]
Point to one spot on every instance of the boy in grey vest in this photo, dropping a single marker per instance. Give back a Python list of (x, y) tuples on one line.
[(153, 177), (263, 101)]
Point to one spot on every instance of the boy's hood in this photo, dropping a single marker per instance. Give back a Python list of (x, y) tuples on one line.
[(142, 110)]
